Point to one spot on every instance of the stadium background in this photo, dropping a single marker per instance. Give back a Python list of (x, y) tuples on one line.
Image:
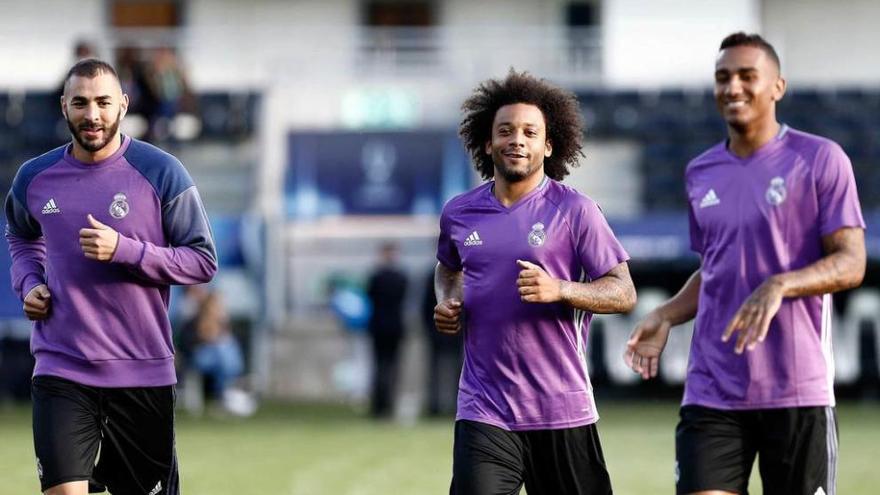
[(322, 129)]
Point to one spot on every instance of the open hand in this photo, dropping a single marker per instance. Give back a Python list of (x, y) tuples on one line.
[(646, 343), (752, 319)]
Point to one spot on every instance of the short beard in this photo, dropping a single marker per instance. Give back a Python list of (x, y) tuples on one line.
[(512, 176), (95, 146)]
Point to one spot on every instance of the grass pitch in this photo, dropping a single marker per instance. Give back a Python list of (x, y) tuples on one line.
[(318, 450)]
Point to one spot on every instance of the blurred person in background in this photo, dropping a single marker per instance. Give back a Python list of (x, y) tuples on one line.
[(386, 290), (169, 85), (213, 350), (775, 217), (98, 230), (524, 262), (444, 358), (135, 78)]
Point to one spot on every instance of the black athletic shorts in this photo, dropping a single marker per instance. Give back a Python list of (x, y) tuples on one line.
[(491, 461), (121, 439), (796, 450)]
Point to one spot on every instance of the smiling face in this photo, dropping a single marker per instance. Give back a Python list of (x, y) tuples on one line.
[(747, 87), (93, 108), (519, 142)]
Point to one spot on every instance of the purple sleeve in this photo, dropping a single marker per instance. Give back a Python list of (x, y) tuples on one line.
[(597, 247), (27, 248), (28, 263), (447, 252), (190, 257), (695, 233), (836, 190)]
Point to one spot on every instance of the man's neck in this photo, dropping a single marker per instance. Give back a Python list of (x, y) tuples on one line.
[(85, 156), (509, 193), (744, 142)]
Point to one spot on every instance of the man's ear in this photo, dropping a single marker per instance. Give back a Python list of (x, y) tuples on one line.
[(123, 106), (488, 147), (779, 88), (548, 149)]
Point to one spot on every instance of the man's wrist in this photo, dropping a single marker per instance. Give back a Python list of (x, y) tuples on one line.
[(565, 290), (780, 283)]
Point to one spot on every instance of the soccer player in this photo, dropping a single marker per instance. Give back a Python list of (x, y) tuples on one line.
[(524, 261), (98, 229), (775, 217)]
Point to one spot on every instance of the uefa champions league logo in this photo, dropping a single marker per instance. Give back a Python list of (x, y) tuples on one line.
[(776, 192), (537, 235), (119, 206)]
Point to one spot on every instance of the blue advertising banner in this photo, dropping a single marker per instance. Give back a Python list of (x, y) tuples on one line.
[(373, 173)]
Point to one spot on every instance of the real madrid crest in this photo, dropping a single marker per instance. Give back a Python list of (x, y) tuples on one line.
[(119, 206), (776, 192), (537, 235)]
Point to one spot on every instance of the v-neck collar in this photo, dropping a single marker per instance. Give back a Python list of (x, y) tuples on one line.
[(516, 204), (762, 151)]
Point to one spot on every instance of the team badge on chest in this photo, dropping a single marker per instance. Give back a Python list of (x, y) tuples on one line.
[(776, 192), (537, 235), (119, 207)]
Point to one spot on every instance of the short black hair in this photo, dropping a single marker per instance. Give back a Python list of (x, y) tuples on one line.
[(562, 118), (754, 40), (89, 67)]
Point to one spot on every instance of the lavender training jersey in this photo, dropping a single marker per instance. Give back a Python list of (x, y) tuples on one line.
[(751, 218), (108, 325), (525, 363)]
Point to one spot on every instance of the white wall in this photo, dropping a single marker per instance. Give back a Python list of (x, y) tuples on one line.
[(826, 43), (669, 42), (232, 43), (37, 38)]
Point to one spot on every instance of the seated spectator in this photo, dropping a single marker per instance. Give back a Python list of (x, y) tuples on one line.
[(210, 348)]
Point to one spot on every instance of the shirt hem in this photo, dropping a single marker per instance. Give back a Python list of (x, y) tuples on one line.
[(118, 373), (739, 406), (553, 425)]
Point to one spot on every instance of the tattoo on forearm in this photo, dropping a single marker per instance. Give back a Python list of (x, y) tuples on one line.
[(612, 293)]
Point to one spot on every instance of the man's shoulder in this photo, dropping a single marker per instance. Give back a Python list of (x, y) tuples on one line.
[(33, 167), (809, 144), (711, 156), (143, 154), (162, 169), (466, 198), (567, 199)]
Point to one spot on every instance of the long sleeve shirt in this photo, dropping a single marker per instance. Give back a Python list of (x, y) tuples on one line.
[(108, 324)]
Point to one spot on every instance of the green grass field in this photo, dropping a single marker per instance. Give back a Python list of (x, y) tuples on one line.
[(317, 450)]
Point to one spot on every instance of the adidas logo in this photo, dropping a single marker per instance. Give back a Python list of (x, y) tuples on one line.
[(710, 199), (50, 207), (473, 240), (156, 489)]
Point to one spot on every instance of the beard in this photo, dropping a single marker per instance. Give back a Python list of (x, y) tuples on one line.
[(511, 174), (93, 146)]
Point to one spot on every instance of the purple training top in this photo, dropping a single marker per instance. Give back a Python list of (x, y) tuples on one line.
[(525, 363), (752, 218), (108, 325)]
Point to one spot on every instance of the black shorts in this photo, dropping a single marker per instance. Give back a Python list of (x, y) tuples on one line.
[(118, 438), (796, 449), (491, 461)]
